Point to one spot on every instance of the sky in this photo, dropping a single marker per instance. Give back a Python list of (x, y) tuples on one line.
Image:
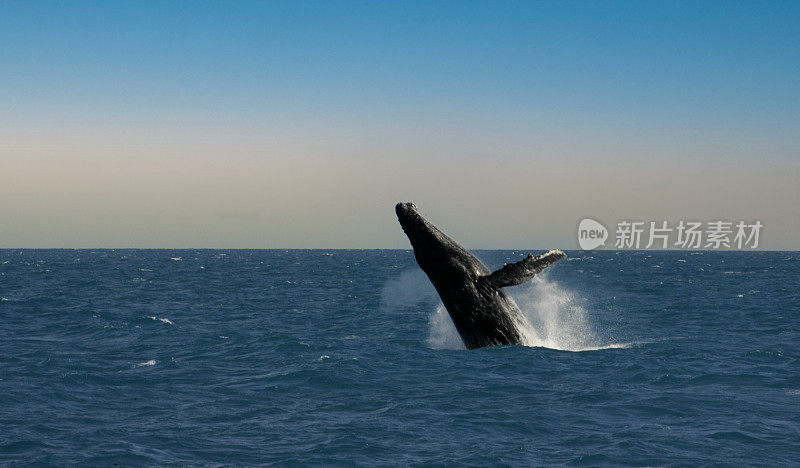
[(301, 124)]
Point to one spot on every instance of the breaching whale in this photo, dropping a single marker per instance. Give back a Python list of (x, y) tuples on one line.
[(472, 294)]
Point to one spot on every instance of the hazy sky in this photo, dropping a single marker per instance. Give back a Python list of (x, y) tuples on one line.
[(301, 124)]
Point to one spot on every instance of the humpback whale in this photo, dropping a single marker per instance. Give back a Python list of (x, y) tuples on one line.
[(472, 294)]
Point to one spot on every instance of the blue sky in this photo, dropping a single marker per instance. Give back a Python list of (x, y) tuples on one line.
[(373, 101)]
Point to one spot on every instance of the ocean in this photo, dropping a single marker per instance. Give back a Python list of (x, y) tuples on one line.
[(343, 357)]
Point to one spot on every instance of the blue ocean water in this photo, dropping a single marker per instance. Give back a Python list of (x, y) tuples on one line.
[(213, 358)]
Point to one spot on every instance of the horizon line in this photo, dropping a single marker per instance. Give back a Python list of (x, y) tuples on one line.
[(394, 248)]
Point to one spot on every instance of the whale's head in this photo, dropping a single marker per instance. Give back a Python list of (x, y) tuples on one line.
[(434, 250), (423, 235), (410, 219)]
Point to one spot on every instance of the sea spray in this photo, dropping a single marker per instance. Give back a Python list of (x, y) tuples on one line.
[(412, 288), (552, 315), (551, 318), (409, 289), (442, 334)]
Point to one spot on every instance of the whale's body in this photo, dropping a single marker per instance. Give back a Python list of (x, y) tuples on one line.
[(472, 294)]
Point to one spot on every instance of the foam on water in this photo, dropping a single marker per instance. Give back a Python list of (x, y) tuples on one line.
[(442, 334), (554, 318), (552, 315)]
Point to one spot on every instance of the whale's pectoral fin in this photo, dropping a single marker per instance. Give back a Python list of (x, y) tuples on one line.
[(513, 274)]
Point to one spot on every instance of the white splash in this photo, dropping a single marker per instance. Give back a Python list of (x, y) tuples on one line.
[(413, 288), (165, 320), (151, 362), (407, 290), (552, 318), (442, 333)]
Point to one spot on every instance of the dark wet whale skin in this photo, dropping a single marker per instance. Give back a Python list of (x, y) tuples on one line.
[(481, 312)]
